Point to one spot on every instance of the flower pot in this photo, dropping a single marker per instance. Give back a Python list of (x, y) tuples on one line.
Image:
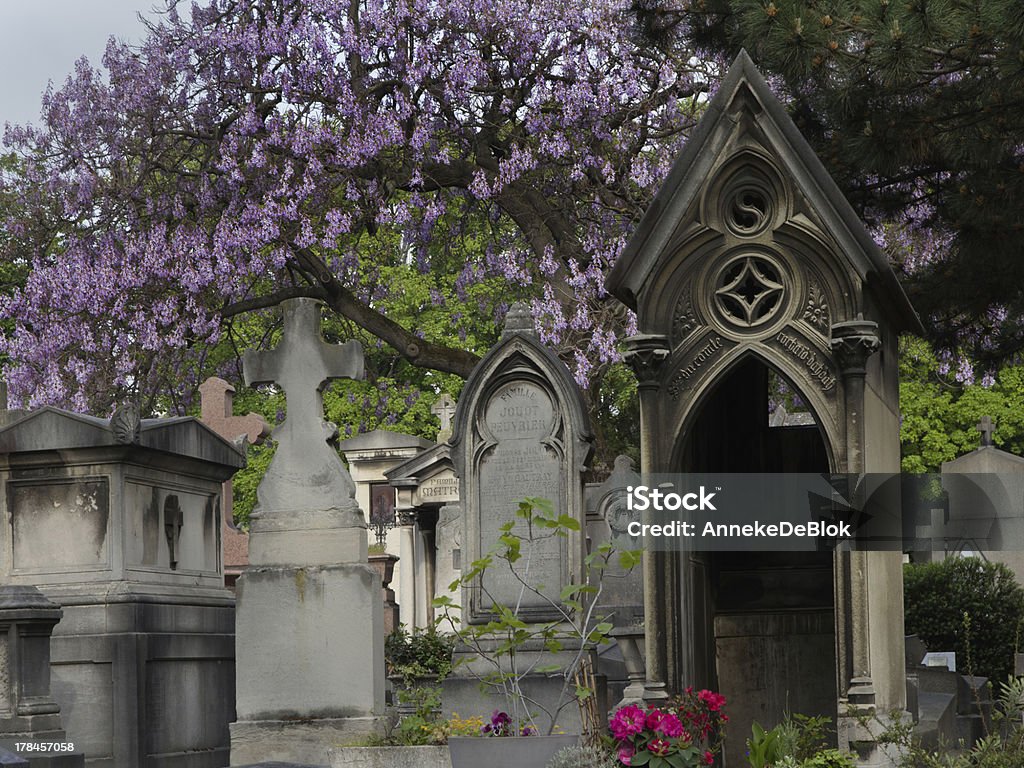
[(506, 751)]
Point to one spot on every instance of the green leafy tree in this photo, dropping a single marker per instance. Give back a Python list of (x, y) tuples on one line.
[(940, 415), (969, 606)]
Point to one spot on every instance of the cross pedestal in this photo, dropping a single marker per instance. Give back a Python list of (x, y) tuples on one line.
[(309, 622)]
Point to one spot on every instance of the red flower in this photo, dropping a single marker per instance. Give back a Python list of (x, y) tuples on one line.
[(714, 701), (626, 752), (708, 758), (659, 747)]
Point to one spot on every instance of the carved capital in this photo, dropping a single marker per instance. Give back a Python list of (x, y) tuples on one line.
[(406, 516), (644, 354), (853, 343)]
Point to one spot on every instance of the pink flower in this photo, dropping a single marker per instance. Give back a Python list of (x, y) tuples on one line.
[(626, 722), (626, 752), (653, 720), (708, 758), (670, 726)]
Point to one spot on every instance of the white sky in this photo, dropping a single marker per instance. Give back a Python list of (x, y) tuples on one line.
[(40, 40)]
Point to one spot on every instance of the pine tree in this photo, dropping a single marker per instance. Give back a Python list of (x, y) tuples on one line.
[(917, 109)]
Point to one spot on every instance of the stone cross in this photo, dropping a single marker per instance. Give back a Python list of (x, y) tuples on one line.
[(306, 473), (444, 409), (986, 427), (217, 397)]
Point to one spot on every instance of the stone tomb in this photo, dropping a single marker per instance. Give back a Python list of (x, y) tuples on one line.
[(749, 271), (986, 504), (427, 503), (118, 522)]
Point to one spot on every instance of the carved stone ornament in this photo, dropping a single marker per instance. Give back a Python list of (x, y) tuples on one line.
[(816, 311), (645, 354), (749, 291), (853, 343), (684, 320), (126, 424)]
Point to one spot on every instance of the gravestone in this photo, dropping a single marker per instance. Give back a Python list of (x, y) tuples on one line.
[(217, 412), (28, 712), (117, 521), (520, 430), (985, 490), (309, 618), (444, 409)]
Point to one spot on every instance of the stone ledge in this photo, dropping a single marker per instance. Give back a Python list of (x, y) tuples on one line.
[(390, 757)]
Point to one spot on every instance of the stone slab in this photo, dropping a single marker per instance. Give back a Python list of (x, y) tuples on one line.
[(304, 741), (390, 757)]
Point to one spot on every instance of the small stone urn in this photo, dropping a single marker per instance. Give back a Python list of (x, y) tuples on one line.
[(631, 642), (385, 566)]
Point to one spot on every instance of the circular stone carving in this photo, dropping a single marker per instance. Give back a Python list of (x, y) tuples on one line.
[(750, 290), (748, 210)]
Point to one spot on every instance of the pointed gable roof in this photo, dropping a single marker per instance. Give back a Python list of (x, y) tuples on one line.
[(745, 88)]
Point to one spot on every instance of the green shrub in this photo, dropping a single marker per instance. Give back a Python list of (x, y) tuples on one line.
[(413, 655), (937, 596)]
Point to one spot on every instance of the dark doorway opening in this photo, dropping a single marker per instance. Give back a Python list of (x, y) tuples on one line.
[(763, 623)]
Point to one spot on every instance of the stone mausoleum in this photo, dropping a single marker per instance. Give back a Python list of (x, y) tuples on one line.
[(117, 521), (751, 275)]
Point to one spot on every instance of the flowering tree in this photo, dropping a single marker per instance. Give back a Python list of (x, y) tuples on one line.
[(255, 150)]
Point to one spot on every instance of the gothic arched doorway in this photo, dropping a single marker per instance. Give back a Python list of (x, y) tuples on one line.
[(768, 628)]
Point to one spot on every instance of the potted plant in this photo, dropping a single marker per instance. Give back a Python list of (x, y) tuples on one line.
[(416, 663), (502, 643)]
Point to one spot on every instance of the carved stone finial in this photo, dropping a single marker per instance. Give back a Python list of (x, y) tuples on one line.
[(987, 429), (444, 409), (519, 319), (853, 342), (126, 424), (645, 354)]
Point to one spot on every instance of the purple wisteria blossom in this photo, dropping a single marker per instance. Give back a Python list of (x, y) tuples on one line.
[(248, 151)]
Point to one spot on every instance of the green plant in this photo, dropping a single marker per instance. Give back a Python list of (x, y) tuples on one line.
[(418, 654), (500, 643), (764, 748), (1003, 748), (936, 597), (583, 757)]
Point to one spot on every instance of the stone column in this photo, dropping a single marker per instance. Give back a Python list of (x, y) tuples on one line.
[(28, 712), (407, 597), (645, 354), (853, 343)]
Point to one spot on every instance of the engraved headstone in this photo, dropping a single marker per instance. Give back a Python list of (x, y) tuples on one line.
[(521, 431)]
